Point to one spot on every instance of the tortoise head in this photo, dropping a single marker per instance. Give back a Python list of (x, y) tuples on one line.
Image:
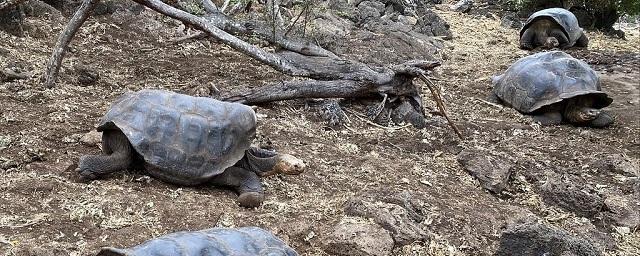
[(266, 163), (288, 164), (580, 110), (551, 42)]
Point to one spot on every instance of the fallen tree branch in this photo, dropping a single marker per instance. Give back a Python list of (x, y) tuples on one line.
[(60, 49), (326, 75)]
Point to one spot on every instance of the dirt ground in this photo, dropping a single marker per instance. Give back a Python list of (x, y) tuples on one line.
[(45, 210)]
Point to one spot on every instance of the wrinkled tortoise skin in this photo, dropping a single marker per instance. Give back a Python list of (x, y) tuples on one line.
[(567, 21), (546, 78), (246, 241), (189, 139)]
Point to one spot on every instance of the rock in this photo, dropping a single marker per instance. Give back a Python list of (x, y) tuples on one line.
[(571, 194), (369, 10), (431, 24), (617, 163), (91, 138), (511, 20), (531, 238), (356, 237), (402, 222), (37, 8), (332, 113), (491, 171), (462, 6), (620, 212), (86, 75), (407, 20)]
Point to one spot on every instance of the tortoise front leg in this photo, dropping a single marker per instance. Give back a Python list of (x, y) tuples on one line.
[(527, 39), (117, 156), (583, 41), (246, 183)]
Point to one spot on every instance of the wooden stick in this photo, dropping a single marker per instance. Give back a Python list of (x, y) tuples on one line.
[(435, 92), (65, 38)]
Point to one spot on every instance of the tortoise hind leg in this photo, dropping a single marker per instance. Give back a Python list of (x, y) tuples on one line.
[(117, 156), (246, 183), (549, 118), (583, 41)]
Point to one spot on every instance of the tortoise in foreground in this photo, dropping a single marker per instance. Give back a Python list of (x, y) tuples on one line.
[(552, 28), (209, 242), (554, 87), (188, 141)]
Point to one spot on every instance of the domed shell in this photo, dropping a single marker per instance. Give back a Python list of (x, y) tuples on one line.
[(546, 78), (567, 21), (190, 139), (209, 242)]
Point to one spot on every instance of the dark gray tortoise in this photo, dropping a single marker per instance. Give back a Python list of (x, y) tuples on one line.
[(554, 87), (246, 241), (552, 28), (186, 140)]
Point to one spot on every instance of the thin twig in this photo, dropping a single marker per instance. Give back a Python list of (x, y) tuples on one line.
[(225, 5), (380, 107), (489, 103), (374, 124), (438, 99), (304, 9)]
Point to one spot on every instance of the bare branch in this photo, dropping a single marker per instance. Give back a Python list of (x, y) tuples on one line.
[(293, 23), (438, 99), (63, 41), (225, 5), (202, 24)]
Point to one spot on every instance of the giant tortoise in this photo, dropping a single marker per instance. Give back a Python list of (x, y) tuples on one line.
[(554, 87), (243, 241), (187, 141), (552, 28)]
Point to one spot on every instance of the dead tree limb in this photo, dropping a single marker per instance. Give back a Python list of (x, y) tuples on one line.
[(63, 41), (325, 74)]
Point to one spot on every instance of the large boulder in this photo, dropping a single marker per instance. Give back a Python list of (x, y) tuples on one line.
[(532, 238), (357, 237)]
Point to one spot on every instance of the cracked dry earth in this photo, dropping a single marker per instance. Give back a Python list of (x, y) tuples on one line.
[(45, 210)]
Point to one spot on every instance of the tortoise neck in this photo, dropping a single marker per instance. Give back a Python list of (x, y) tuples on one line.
[(259, 160)]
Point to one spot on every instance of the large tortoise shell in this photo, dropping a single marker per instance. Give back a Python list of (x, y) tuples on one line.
[(210, 242), (567, 21), (546, 78), (189, 138)]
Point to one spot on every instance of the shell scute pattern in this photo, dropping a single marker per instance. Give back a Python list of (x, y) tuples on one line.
[(546, 78), (244, 241), (193, 138)]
